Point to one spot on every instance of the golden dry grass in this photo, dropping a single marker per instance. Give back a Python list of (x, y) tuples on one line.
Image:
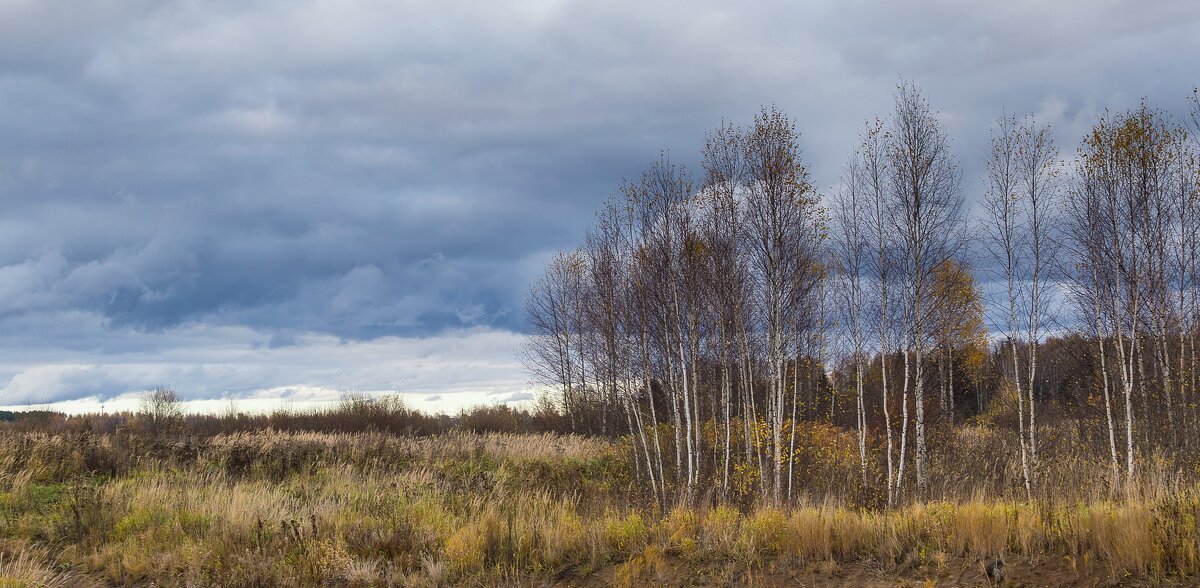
[(300, 509)]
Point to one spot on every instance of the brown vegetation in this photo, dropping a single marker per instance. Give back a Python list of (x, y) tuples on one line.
[(271, 508)]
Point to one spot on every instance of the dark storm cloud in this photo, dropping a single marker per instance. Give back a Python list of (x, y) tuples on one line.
[(369, 169)]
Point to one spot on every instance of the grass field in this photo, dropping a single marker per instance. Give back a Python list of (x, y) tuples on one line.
[(457, 508)]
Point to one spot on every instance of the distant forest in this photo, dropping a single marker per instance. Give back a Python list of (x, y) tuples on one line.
[(725, 318)]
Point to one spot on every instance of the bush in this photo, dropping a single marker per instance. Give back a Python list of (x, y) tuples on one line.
[(161, 412), (489, 419)]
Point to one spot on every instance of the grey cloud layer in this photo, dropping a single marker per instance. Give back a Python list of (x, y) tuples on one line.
[(208, 362), (396, 169)]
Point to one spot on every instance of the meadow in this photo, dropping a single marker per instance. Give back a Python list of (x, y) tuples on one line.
[(112, 502)]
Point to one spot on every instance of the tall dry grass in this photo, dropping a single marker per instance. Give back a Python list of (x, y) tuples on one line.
[(369, 509)]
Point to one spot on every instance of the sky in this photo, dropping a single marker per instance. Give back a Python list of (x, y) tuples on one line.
[(273, 202)]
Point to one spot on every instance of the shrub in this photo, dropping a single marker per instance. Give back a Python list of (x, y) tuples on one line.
[(489, 419), (161, 412), (626, 535)]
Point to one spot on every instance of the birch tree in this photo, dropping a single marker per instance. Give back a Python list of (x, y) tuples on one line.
[(926, 211), (723, 163), (849, 252), (1037, 175), (1019, 212), (1090, 282), (783, 241), (1128, 169)]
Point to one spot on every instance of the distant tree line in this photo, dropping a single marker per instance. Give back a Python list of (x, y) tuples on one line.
[(160, 418), (714, 317)]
